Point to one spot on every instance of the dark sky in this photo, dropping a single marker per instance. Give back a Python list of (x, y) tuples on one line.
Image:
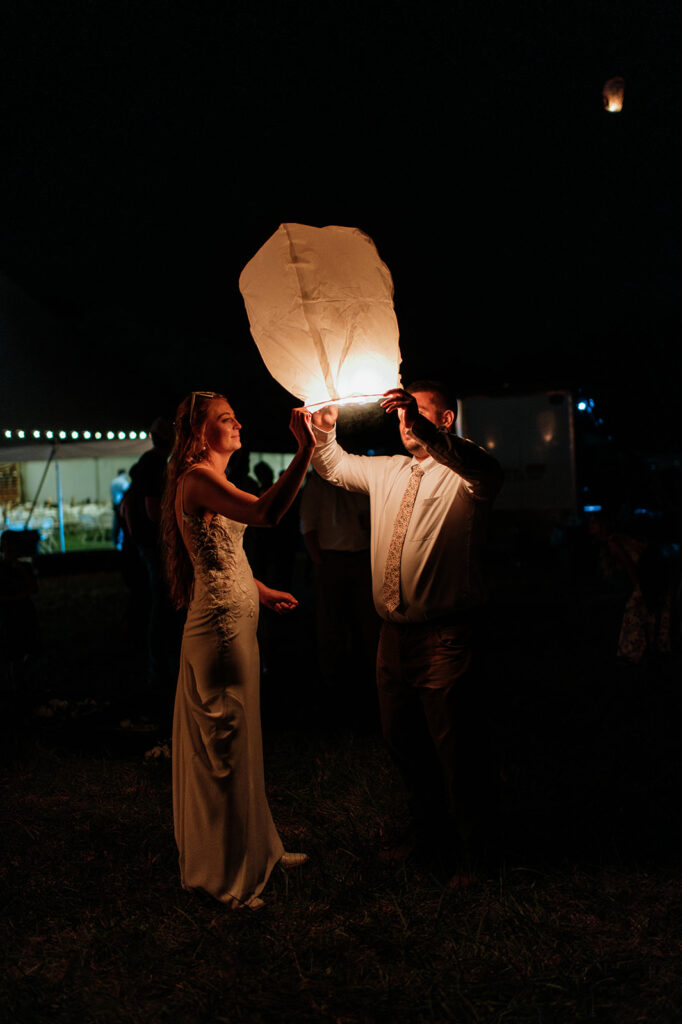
[(149, 149)]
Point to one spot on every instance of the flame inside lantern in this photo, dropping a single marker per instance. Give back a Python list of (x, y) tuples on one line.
[(367, 376), (613, 94)]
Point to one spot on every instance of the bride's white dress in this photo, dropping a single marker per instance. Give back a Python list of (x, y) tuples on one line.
[(226, 837)]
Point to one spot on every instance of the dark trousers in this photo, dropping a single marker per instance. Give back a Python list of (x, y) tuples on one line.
[(433, 719), (347, 622)]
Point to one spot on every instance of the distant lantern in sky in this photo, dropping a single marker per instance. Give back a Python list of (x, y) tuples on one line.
[(612, 94), (320, 306)]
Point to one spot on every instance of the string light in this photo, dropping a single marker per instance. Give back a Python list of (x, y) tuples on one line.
[(49, 434)]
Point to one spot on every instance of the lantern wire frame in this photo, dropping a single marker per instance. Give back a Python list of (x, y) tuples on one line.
[(349, 400)]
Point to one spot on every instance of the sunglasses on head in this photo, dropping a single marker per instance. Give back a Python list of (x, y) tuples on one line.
[(202, 394)]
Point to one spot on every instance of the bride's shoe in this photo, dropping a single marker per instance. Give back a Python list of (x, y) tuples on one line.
[(293, 860)]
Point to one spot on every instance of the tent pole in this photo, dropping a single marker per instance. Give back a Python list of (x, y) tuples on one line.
[(40, 485), (60, 505)]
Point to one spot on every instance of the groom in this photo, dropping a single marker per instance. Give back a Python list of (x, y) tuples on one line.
[(428, 515)]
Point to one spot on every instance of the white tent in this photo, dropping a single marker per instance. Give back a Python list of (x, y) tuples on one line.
[(74, 474), (39, 451)]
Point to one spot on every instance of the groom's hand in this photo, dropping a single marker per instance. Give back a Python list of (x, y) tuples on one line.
[(402, 402)]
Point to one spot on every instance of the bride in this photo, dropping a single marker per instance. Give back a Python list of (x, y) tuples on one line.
[(227, 841)]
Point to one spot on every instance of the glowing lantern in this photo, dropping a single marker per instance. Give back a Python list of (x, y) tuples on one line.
[(612, 94), (320, 306)]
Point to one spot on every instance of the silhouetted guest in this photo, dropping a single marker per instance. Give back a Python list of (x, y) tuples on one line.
[(262, 544), (119, 485), (135, 574), (336, 532), (143, 515), (273, 553), (265, 476), (288, 541), (18, 619), (238, 473), (646, 624)]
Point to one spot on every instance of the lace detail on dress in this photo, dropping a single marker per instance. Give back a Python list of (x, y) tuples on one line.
[(220, 562)]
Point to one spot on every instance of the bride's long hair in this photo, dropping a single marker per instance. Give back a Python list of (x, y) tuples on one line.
[(188, 450)]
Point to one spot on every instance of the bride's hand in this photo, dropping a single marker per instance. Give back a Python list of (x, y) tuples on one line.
[(299, 425), (278, 600)]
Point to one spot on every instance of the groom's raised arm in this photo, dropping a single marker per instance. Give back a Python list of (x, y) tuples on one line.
[(331, 462)]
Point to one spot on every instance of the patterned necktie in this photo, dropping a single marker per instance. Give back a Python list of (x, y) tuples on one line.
[(395, 548)]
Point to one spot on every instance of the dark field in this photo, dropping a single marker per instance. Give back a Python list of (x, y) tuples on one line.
[(579, 918)]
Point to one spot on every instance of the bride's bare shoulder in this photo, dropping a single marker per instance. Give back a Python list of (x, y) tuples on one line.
[(197, 474), (189, 482), (201, 484)]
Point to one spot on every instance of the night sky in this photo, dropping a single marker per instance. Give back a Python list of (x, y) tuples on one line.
[(149, 149)]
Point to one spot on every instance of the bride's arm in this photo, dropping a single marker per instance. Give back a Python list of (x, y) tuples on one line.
[(207, 489)]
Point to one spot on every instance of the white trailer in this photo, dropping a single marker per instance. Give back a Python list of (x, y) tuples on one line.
[(532, 436)]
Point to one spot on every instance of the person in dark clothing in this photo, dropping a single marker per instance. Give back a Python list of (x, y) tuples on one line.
[(646, 628), (18, 618), (142, 509)]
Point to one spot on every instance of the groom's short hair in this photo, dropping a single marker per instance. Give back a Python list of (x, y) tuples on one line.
[(438, 387)]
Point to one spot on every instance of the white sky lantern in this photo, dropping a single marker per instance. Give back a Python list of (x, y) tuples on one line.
[(613, 93), (320, 306)]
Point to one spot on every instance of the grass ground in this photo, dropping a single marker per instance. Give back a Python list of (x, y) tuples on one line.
[(581, 918)]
